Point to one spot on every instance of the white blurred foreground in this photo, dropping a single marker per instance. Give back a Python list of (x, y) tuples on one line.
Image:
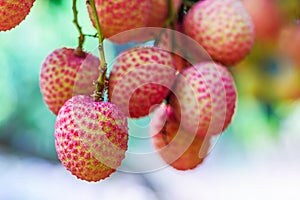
[(268, 171)]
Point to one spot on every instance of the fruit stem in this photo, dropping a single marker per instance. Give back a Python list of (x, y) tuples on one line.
[(172, 15), (188, 4), (79, 51), (298, 14), (102, 82), (169, 22), (164, 128)]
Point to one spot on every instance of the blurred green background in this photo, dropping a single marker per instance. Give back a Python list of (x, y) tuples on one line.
[(265, 128)]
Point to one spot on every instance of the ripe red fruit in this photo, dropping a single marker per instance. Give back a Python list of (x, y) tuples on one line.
[(222, 27), (178, 148), (90, 137), (140, 80), (204, 99), (122, 15), (266, 17), (13, 12), (63, 74)]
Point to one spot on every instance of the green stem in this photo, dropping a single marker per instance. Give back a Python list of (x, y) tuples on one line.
[(169, 22), (102, 82), (79, 51), (298, 15)]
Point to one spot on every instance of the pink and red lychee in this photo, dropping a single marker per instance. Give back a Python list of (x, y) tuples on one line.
[(140, 80), (13, 12), (222, 27), (204, 99), (90, 137), (177, 148), (64, 74)]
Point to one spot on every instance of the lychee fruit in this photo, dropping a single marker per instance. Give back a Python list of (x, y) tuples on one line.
[(177, 148), (90, 137), (267, 18), (140, 80), (64, 74), (222, 27), (122, 15), (13, 12), (204, 99)]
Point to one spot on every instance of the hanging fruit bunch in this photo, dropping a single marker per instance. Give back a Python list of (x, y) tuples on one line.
[(182, 76)]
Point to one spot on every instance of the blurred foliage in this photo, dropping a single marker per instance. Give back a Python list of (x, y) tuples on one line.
[(56, 2)]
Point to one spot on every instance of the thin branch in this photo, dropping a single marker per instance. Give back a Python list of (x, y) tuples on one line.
[(169, 22), (91, 35), (102, 82), (79, 51)]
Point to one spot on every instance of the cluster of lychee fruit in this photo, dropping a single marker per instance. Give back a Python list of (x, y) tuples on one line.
[(192, 99)]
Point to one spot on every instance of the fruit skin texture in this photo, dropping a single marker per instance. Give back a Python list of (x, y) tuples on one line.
[(267, 18), (140, 80), (204, 99), (222, 27), (178, 148), (116, 16), (90, 137), (13, 12), (63, 75)]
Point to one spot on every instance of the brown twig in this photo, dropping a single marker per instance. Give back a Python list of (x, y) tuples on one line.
[(102, 82), (79, 51)]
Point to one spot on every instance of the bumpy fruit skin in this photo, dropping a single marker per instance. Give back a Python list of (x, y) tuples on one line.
[(140, 80), (116, 16), (267, 18), (13, 12), (90, 137), (222, 27), (63, 75), (178, 148), (204, 99)]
